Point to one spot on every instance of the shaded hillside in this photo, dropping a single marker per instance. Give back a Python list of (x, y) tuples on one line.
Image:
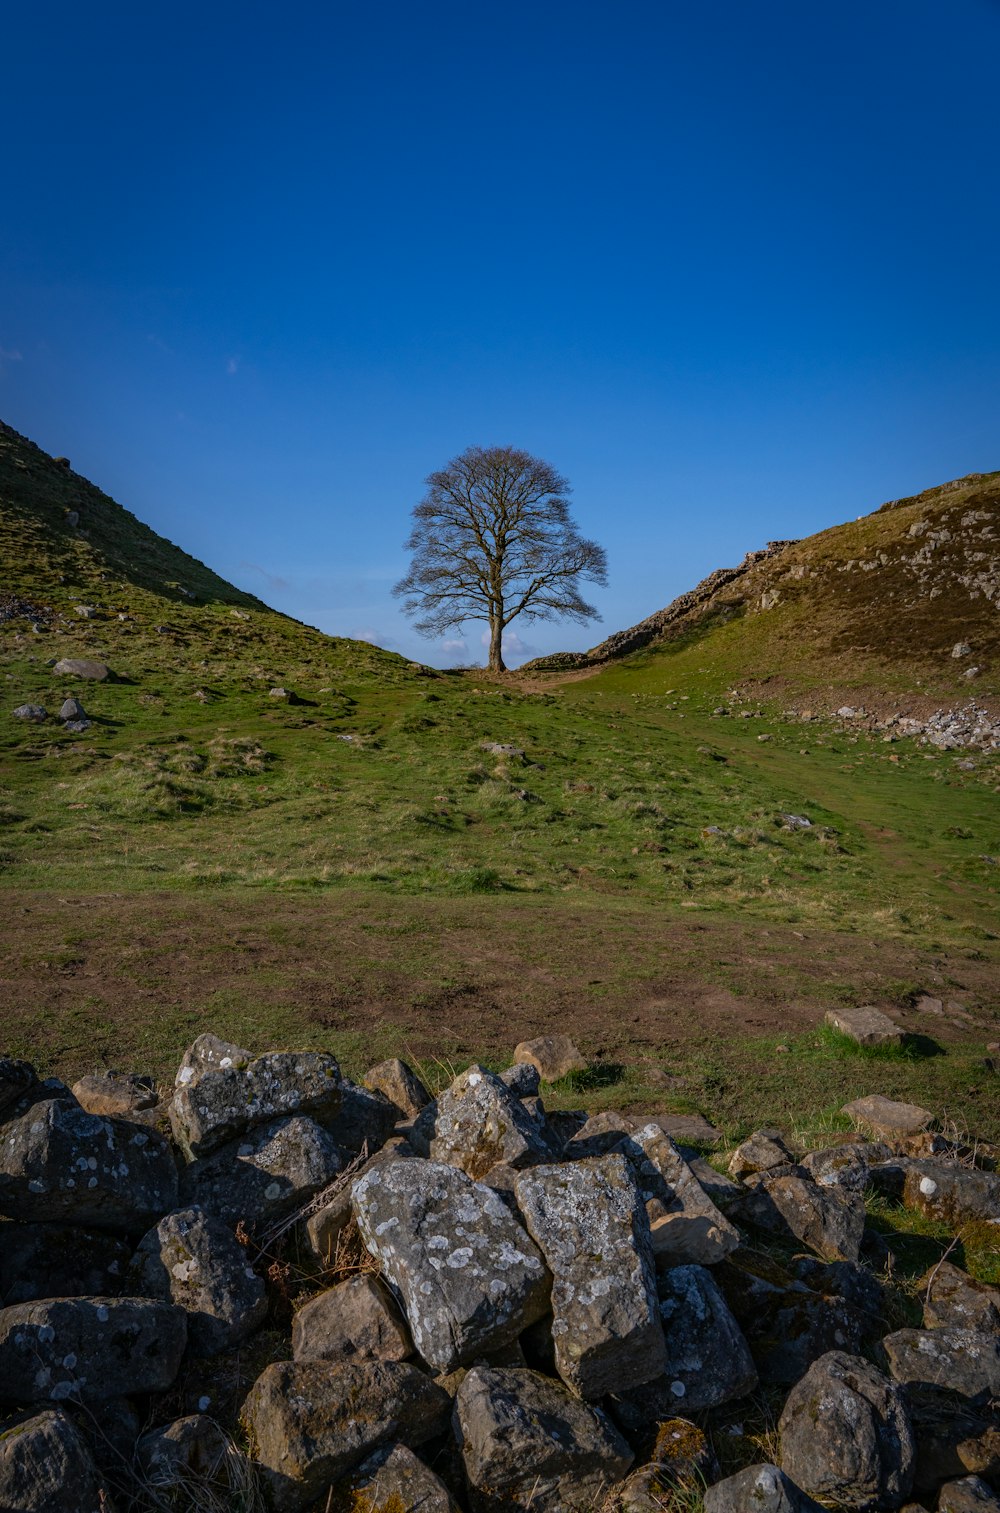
[(891, 595)]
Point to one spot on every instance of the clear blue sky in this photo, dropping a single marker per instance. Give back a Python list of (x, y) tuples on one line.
[(733, 268)]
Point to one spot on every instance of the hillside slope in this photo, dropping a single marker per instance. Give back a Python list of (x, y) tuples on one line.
[(905, 598)]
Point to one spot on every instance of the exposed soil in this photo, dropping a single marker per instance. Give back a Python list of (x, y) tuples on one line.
[(127, 980)]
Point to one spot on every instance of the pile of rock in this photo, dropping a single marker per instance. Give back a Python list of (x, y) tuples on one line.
[(534, 1301)]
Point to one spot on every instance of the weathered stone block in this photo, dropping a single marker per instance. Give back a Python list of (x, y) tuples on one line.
[(480, 1123), (88, 1348), (357, 1318), (265, 1175)]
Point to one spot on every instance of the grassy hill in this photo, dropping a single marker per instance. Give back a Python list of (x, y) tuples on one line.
[(360, 863)]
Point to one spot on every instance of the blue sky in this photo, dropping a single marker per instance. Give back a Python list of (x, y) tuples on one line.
[(732, 268)]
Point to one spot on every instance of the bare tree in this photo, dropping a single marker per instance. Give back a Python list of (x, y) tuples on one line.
[(493, 539)]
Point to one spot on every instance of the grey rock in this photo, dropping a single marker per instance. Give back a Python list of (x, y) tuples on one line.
[(82, 667), (685, 1225), (400, 1084), (886, 1119), (469, 1277), (397, 1481), (311, 1423), (193, 1447), (195, 1261), (364, 1121), (552, 1056), (966, 1361), (523, 1079), (846, 1436), (599, 1134), (262, 1177), (220, 1092), (72, 709), (843, 1166), (844, 1279), (708, 1362), (57, 1162), (322, 1228), (954, 1300), (46, 1467), (758, 1489), (480, 1123), (420, 1131), (35, 714), (866, 1025), (16, 1077), (526, 1442), (588, 1220), (829, 1220), (77, 727), (787, 1325), (88, 1348), (968, 1495), (955, 1195), (357, 1318), (764, 1149), (59, 1261)]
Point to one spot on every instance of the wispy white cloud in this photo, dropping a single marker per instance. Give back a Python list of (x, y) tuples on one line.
[(454, 644), (513, 646), (233, 365), (271, 579)]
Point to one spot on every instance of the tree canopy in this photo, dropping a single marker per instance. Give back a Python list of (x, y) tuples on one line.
[(493, 539)]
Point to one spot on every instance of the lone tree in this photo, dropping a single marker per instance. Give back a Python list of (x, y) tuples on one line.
[(493, 539)]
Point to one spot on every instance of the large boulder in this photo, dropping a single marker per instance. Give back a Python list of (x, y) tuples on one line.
[(311, 1423), (400, 1085), (358, 1318), (758, 1489), (56, 1162), (480, 1123), (221, 1092), (195, 1261), (59, 1261), (271, 1171), (830, 1220), (708, 1362), (88, 1348), (846, 1436), (588, 1220), (528, 1443), (966, 1361), (46, 1467), (82, 667), (954, 1300), (685, 1225), (469, 1277)]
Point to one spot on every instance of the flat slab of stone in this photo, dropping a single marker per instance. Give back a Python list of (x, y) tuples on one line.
[(966, 1361), (311, 1423), (954, 1300), (132, 1098), (589, 1221), (830, 1220), (469, 1276), (956, 1195), (528, 1443), (82, 667), (553, 1056), (866, 1025), (88, 1348), (886, 1119)]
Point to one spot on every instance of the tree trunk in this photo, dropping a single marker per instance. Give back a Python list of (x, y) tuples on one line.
[(496, 646)]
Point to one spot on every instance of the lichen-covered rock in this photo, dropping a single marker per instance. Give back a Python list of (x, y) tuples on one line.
[(968, 1495), (523, 1079), (764, 1149), (685, 1225), (321, 1230), (553, 1056), (357, 1318), (527, 1442), (88, 1348), (759, 1489), (588, 1220), (787, 1324), (955, 1195), (966, 1361), (221, 1092), (886, 1119), (266, 1174), (193, 1447), (469, 1276), (16, 1077), (364, 1121), (35, 714), (195, 1261), (46, 1467), (846, 1436), (400, 1084), (829, 1220), (310, 1423), (954, 1300), (397, 1481), (866, 1025), (57, 1162), (480, 1123), (59, 1261), (843, 1166), (707, 1361)]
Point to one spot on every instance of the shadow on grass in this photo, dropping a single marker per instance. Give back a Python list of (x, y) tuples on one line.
[(591, 1079), (911, 1047)]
